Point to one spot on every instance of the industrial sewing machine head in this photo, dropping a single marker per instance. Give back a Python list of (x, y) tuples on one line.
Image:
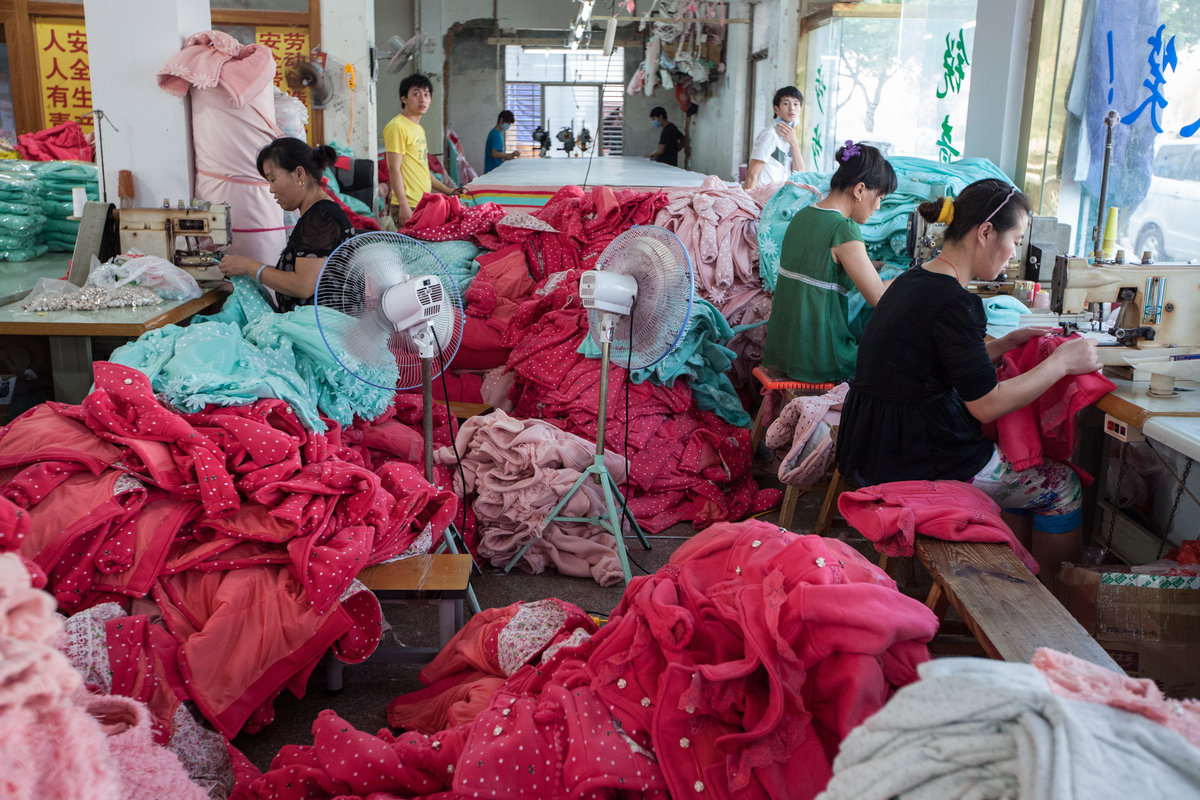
[(1044, 239), (1159, 303), (161, 231), (186, 236)]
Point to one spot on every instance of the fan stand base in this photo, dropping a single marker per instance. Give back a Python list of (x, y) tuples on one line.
[(611, 522)]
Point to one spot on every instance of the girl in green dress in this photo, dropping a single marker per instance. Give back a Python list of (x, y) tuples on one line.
[(810, 337)]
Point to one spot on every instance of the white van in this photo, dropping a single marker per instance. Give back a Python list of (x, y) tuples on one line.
[(1167, 223)]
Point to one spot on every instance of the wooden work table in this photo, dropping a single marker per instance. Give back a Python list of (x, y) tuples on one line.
[(71, 332), (1131, 403)]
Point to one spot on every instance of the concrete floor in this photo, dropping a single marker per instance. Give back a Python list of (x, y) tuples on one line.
[(368, 688)]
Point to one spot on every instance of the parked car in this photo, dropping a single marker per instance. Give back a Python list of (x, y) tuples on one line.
[(1166, 221)]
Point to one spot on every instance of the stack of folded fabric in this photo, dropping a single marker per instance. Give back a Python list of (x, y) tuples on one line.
[(885, 234), (22, 212), (57, 179)]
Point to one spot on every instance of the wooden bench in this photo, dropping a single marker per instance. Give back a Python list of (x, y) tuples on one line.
[(1005, 607), (443, 579)]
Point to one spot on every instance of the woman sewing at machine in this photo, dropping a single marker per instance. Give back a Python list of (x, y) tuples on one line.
[(294, 170), (926, 379), (811, 337)]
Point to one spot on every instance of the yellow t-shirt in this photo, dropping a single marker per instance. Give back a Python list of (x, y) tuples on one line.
[(407, 139)]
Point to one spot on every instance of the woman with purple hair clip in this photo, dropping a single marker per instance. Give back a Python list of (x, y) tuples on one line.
[(822, 258)]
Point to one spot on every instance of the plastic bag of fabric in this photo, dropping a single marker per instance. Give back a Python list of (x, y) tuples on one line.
[(149, 272)]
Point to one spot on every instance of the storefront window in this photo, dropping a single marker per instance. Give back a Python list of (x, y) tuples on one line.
[(891, 61), (1141, 60)]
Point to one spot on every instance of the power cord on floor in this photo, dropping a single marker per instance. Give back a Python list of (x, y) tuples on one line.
[(453, 438)]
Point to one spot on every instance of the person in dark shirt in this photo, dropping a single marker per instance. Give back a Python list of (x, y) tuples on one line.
[(495, 155), (293, 170), (925, 380), (670, 142)]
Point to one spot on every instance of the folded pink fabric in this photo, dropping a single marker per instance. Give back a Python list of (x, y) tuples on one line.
[(892, 514), (797, 427), (148, 771)]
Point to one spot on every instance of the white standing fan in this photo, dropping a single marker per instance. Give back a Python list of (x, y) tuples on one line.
[(405, 310), (639, 301)]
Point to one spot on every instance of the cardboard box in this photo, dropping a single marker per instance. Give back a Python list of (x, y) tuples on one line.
[(1149, 624)]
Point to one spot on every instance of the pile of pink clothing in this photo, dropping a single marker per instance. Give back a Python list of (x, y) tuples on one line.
[(233, 117), (718, 224), (518, 470), (686, 464), (734, 671), (56, 740), (245, 528)]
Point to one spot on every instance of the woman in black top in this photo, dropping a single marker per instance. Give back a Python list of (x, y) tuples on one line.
[(293, 170), (926, 379)]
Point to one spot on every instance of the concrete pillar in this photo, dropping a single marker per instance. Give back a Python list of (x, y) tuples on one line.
[(998, 62), (431, 20), (347, 33), (126, 49)]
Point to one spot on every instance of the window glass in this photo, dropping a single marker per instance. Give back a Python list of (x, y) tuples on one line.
[(561, 88), (910, 61), (1140, 61)]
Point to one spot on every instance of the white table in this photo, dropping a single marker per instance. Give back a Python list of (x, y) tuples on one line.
[(614, 171), (71, 332), (1181, 434)]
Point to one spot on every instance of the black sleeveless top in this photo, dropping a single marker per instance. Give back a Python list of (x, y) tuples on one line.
[(318, 233)]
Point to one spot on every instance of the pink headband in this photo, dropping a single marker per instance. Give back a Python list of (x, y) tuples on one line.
[(1002, 205)]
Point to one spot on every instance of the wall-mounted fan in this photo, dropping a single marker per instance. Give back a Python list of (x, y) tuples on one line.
[(639, 300), (400, 52), (310, 74)]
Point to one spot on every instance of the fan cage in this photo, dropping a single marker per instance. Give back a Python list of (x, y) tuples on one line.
[(353, 281)]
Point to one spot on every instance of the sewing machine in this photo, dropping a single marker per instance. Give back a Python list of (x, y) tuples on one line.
[(105, 231), (157, 231), (1160, 303), (1044, 239)]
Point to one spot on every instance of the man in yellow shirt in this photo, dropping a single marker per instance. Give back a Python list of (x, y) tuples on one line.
[(407, 151)]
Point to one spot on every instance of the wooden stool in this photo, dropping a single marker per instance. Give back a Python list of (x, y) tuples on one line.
[(832, 488), (444, 579), (1004, 606), (773, 380)]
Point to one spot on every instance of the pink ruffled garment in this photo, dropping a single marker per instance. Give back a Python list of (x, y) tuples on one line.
[(233, 117), (519, 470), (1076, 679)]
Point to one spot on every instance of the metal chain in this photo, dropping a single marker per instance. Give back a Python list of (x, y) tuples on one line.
[(1178, 496), (1112, 514)]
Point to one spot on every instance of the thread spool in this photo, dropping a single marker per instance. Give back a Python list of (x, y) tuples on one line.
[(125, 188), (1110, 233), (79, 199), (1041, 300)]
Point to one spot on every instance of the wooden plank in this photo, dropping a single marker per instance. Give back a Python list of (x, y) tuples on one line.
[(444, 573), (240, 16), (466, 410), (1123, 410), (38, 326), (868, 10), (1007, 609)]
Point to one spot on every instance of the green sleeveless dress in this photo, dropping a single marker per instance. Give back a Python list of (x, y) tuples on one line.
[(809, 337)]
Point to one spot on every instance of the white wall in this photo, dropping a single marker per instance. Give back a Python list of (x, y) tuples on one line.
[(154, 140), (392, 18), (347, 33)]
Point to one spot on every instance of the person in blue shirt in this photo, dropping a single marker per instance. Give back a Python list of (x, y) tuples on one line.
[(495, 155)]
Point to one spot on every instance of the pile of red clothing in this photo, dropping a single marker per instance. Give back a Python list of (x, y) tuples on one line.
[(734, 671), (246, 529), (65, 142), (686, 464)]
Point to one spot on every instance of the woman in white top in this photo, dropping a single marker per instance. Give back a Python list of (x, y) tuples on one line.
[(776, 153)]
